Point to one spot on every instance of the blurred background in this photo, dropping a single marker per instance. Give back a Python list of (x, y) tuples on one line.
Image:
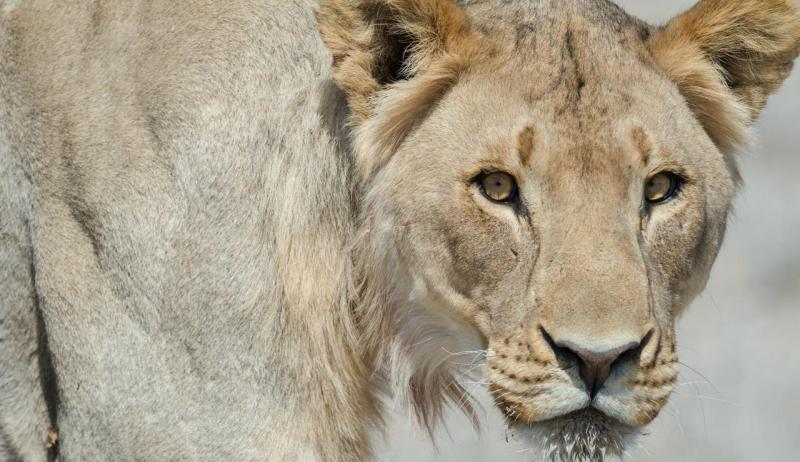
[(739, 392)]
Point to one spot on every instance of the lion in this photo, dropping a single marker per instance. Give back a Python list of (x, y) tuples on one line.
[(231, 229)]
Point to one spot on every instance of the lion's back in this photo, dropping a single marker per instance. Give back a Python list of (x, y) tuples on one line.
[(168, 147)]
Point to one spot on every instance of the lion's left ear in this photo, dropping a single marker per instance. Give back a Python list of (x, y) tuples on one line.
[(727, 57)]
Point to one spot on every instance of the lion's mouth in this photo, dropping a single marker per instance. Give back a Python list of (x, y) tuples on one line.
[(586, 435)]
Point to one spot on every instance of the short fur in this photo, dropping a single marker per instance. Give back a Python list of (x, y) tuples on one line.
[(225, 227)]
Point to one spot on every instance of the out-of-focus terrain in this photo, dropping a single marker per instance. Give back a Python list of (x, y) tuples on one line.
[(739, 398)]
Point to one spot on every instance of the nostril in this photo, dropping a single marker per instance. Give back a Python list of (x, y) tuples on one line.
[(595, 361), (560, 353)]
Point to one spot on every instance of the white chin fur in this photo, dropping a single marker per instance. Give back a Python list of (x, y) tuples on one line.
[(582, 436)]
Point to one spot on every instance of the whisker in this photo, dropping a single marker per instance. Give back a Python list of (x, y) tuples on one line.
[(675, 412), (716, 390), (475, 352), (709, 398), (683, 384)]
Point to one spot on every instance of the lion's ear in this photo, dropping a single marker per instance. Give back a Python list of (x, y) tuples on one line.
[(393, 59), (727, 57)]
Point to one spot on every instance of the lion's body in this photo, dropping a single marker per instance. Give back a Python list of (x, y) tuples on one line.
[(181, 250), (223, 222)]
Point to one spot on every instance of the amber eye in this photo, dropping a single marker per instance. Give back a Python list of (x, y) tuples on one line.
[(499, 187), (661, 187)]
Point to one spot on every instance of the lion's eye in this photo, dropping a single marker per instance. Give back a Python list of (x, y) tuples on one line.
[(499, 187), (661, 187)]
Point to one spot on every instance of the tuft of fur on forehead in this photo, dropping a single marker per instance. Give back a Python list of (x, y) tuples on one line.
[(727, 58)]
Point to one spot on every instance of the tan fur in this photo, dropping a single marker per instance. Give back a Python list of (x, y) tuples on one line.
[(229, 228)]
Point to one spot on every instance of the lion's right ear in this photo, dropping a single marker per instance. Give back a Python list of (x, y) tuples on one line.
[(393, 59)]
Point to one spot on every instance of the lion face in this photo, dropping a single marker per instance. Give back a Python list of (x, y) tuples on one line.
[(569, 230), (552, 178)]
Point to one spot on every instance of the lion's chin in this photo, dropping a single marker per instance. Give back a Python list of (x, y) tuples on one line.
[(586, 435)]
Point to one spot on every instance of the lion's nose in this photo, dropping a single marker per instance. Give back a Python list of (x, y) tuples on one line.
[(596, 362)]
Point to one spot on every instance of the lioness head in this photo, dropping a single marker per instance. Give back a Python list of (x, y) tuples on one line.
[(556, 177)]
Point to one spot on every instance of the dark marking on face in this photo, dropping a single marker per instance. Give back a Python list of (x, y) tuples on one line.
[(526, 141), (643, 144), (524, 30), (570, 45), (580, 81)]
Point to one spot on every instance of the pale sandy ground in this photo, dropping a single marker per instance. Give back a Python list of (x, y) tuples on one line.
[(740, 400)]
